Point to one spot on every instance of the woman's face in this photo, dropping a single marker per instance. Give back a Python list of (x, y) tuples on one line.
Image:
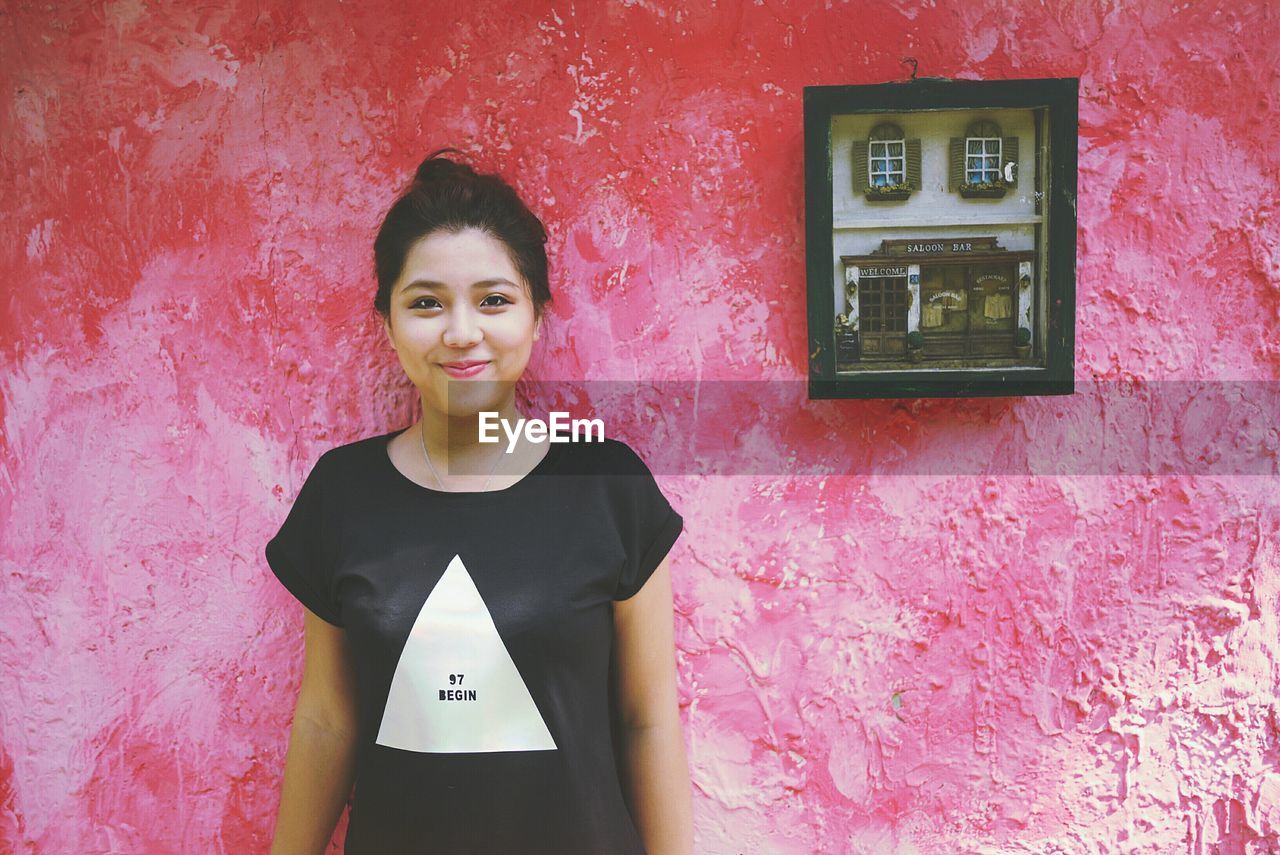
[(460, 299)]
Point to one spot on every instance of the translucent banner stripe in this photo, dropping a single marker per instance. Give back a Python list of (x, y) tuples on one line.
[(771, 428)]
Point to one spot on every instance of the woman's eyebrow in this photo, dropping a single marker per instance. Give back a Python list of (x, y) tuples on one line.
[(431, 285)]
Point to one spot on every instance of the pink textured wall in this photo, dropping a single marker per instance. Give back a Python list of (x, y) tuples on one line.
[(1084, 663)]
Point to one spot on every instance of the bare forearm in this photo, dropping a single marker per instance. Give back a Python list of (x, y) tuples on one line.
[(318, 772), (658, 789)]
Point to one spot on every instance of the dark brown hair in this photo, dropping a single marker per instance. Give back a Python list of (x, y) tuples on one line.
[(450, 196)]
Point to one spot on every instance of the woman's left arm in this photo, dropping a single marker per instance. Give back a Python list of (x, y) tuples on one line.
[(657, 770)]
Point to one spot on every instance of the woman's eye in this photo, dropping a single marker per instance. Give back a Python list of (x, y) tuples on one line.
[(431, 302)]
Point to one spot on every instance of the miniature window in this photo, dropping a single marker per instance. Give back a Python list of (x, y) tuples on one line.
[(944, 307), (992, 300), (982, 157), (886, 165), (888, 156), (983, 163)]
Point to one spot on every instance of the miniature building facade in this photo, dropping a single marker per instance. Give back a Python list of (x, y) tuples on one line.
[(938, 232)]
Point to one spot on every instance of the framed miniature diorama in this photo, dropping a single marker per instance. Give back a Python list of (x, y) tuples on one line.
[(941, 237)]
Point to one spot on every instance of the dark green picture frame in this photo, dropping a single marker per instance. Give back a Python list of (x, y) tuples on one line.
[(1055, 376)]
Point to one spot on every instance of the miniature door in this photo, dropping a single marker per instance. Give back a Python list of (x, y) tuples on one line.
[(882, 316)]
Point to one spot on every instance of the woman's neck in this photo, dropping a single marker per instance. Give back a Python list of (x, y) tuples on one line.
[(454, 441)]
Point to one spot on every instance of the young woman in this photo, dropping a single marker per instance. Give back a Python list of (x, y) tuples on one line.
[(489, 635)]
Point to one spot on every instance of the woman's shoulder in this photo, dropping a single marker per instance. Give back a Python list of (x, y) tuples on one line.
[(357, 453)]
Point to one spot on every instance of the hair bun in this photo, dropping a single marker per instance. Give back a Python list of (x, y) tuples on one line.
[(435, 166)]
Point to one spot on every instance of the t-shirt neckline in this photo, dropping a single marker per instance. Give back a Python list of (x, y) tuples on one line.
[(544, 466)]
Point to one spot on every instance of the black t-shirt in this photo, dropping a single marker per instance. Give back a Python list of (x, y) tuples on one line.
[(482, 630)]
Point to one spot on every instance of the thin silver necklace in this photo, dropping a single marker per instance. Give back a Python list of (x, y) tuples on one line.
[(422, 437)]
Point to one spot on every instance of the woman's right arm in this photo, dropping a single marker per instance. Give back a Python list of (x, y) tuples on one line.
[(319, 768)]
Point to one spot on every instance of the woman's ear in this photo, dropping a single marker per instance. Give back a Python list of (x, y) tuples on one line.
[(537, 325), (386, 327)]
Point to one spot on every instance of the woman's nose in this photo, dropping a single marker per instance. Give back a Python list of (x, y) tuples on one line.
[(462, 328)]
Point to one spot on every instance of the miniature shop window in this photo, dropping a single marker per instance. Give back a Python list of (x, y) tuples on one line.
[(886, 165), (945, 301), (991, 299)]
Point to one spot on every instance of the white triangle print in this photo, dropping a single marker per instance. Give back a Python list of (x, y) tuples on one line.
[(456, 688)]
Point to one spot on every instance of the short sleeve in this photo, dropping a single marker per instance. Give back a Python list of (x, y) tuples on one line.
[(296, 554), (649, 526)]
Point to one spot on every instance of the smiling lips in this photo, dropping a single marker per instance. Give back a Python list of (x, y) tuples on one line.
[(468, 368)]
